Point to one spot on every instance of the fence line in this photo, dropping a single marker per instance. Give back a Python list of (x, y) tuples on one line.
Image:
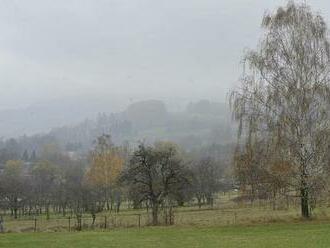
[(70, 223)]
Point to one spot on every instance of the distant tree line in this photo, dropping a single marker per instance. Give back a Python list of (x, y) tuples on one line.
[(158, 177)]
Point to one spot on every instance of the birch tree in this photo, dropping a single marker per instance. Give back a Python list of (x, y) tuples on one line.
[(284, 97)]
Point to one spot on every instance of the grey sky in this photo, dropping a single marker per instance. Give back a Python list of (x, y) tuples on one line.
[(153, 48)]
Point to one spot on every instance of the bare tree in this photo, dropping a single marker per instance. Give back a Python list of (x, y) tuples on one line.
[(155, 173), (206, 175), (285, 94)]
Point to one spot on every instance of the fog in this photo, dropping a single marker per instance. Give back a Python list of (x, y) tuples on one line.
[(125, 50)]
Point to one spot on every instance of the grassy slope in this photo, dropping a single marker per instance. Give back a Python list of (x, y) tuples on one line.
[(276, 235)]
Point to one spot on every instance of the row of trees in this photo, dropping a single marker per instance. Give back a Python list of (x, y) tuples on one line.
[(157, 176)]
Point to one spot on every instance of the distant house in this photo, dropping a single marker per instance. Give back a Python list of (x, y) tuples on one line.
[(72, 155)]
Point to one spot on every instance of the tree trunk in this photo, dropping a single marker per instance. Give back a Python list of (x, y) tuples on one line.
[(155, 214), (274, 199), (304, 194), (304, 202), (118, 206), (93, 217), (199, 202), (47, 212)]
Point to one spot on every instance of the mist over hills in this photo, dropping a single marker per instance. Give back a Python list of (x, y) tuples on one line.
[(200, 123), (75, 124), (42, 117)]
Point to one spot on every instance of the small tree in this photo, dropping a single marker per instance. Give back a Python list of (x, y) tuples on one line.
[(44, 174), (13, 185), (285, 95), (205, 180), (106, 166)]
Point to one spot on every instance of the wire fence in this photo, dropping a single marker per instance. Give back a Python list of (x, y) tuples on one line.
[(183, 217), (74, 223), (225, 214)]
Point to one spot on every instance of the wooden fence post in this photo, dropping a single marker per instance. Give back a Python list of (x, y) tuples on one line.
[(235, 217), (139, 220), (69, 223), (35, 224), (105, 222)]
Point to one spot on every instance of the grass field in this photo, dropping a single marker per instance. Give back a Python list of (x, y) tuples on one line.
[(275, 235), (183, 217), (225, 225), (224, 213)]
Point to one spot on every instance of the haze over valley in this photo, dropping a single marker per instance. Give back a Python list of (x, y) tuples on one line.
[(143, 123)]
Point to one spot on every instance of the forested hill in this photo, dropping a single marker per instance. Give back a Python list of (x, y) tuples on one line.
[(200, 123)]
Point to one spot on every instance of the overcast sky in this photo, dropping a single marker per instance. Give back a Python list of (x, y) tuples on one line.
[(153, 48)]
